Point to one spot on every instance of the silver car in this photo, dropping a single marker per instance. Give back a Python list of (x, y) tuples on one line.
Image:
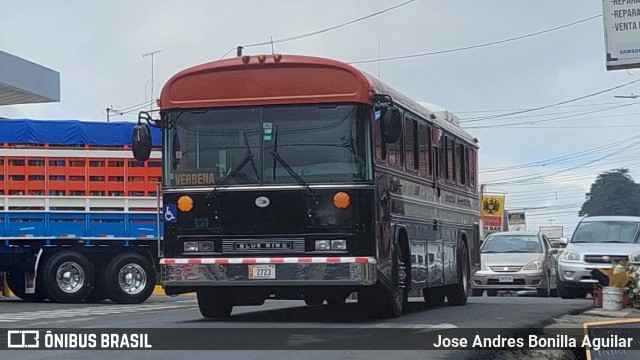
[(597, 243), (516, 261)]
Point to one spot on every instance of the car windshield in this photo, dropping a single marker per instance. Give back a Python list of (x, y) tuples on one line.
[(606, 232), (512, 244)]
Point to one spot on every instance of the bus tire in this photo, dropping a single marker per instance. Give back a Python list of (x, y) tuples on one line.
[(67, 277), (129, 279), (16, 283), (458, 293), (313, 300), (433, 297), (395, 299), (214, 303)]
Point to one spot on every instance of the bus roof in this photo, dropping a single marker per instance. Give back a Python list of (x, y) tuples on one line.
[(238, 82)]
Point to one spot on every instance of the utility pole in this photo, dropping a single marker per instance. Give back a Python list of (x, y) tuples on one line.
[(108, 112), (481, 229), (152, 54)]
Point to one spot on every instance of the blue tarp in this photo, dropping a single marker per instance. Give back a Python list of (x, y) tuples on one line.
[(70, 132)]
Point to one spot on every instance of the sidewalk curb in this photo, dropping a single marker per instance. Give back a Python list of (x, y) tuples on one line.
[(158, 290)]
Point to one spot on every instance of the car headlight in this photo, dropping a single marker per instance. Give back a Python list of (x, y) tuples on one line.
[(534, 265), (635, 257), (484, 267), (571, 256)]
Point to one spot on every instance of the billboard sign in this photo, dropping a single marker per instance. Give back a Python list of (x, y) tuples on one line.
[(492, 213), (516, 221), (552, 232), (621, 33)]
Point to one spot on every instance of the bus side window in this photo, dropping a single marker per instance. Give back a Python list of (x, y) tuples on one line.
[(424, 146), (461, 169), (442, 158), (410, 145), (473, 162), (394, 153), (450, 160), (380, 147)]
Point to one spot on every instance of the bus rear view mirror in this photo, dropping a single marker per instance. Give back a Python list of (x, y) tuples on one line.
[(391, 125), (141, 142)]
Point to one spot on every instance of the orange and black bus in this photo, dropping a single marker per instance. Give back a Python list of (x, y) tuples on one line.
[(294, 177)]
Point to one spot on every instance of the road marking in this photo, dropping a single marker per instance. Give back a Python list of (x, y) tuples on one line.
[(92, 311), (413, 326)]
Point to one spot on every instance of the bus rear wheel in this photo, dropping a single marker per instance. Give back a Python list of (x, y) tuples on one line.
[(458, 293)]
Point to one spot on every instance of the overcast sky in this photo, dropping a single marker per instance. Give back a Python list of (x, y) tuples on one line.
[(97, 48)]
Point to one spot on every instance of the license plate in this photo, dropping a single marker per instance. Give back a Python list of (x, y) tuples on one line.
[(506, 278), (262, 271)]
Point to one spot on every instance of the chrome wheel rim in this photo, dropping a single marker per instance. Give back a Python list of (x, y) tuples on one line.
[(70, 277), (132, 279)]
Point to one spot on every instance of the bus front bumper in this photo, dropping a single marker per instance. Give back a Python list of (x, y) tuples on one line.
[(283, 271)]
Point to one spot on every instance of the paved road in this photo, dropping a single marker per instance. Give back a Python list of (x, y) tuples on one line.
[(182, 312)]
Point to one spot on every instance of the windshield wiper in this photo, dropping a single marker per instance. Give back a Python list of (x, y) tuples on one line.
[(617, 242), (278, 158), (247, 159)]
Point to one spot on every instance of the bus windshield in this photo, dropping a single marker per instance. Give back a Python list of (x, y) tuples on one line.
[(268, 145)]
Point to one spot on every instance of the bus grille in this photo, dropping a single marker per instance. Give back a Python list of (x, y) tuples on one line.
[(265, 246)]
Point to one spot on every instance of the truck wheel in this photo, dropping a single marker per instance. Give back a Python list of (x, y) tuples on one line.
[(458, 293), (15, 280), (67, 277), (129, 279), (214, 303)]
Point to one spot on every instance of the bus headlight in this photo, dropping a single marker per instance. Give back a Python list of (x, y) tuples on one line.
[(190, 246), (324, 245), (194, 246), (338, 244)]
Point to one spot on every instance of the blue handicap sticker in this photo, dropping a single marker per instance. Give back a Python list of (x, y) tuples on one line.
[(170, 213)]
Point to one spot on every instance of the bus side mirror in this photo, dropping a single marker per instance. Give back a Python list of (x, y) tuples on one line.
[(141, 142), (391, 124)]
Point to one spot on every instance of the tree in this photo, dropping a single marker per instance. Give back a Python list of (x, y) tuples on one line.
[(613, 193)]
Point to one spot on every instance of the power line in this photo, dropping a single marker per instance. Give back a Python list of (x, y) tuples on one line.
[(478, 45), (555, 104), (302, 36), (547, 120), (508, 110), (563, 157), (541, 176)]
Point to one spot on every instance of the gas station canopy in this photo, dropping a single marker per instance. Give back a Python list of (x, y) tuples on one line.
[(23, 82)]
